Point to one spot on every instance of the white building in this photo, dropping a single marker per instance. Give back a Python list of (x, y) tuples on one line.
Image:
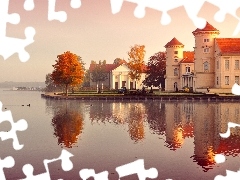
[(118, 77)]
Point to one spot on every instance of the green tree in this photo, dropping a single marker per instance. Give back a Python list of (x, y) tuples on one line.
[(98, 73), (86, 79), (136, 61), (50, 86), (156, 69), (118, 61), (68, 70)]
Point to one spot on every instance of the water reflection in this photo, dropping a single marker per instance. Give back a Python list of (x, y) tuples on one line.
[(132, 114), (67, 123), (174, 122), (178, 121)]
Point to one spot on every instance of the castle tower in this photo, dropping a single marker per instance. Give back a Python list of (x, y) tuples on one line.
[(204, 62), (174, 50)]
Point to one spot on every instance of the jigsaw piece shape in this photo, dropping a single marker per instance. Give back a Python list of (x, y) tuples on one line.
[(60, 15), (20, 125), (192, 9), (66, 164), (236, 89), (29, 5), (137, 167), (230, 175), (7, 162), (219, 158), (9, 45), (164, 7), (75, 4), (230, 125), (87, 173), (139, 12), (227, 7)]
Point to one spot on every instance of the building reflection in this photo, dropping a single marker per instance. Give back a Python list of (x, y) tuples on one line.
[(179, 124), (67, 123), (176, 122), (131, 114)]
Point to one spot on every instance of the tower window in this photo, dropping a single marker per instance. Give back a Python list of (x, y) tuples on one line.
[(175, 52), (206, 66), (205, 40), (206, 50), (175, 72)]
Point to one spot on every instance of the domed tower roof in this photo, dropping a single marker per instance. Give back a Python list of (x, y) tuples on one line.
[(173, 42), (207, 28)]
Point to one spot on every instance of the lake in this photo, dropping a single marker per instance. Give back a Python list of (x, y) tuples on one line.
[(180, 139)]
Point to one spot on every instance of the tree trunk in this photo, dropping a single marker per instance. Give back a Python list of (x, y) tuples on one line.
[(66, 90)]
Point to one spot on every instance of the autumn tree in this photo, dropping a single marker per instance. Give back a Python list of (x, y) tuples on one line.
[(156, 69), (98, 72), (136, 61), (68, 70), (67, 125)]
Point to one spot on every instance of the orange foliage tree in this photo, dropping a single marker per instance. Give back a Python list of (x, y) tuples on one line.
[(136, 61), (67, 127), (68, 70)]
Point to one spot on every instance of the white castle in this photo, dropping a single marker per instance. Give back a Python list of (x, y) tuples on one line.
[(214, 63)]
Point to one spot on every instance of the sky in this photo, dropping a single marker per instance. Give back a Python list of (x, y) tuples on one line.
[(95, 33)]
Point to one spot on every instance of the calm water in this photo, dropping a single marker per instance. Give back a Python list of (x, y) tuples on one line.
[(180, 139)]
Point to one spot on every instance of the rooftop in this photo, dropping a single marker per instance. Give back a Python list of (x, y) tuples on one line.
[(188, 57), (208, 27), (173, 42), (229, 46)]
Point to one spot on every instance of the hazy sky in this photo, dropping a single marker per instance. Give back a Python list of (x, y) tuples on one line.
[(94, 33)]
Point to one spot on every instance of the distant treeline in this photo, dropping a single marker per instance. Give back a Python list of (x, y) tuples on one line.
[(11, 84)]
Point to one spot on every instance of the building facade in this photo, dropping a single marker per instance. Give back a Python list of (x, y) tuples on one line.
[(117, 77), (214, 63)]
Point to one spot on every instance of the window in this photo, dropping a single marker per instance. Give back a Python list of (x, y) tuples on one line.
[(236, 64), (217, 80), (187, 70), (217, 64), (237, 79), (226, 80), (175, 59), (175, 52), (175, 72), (206, 50), (226, 64), (205, 40), (205, 66)]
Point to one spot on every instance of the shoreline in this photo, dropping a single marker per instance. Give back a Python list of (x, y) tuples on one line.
[(165, 97)]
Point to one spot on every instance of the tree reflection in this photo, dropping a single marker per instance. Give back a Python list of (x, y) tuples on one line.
[(136, 122), (68, 125), (156, 117)]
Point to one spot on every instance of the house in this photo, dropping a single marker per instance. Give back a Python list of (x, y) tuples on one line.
[(214, 63), (117, 77)]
